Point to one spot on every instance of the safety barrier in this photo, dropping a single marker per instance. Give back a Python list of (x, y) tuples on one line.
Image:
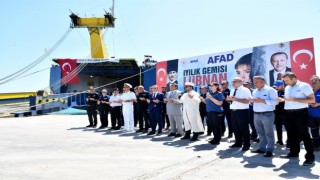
[(37, 105), (48, 104)]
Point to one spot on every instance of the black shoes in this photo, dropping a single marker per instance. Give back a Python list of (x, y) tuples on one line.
[(289, 156), (89, 126), (280, 143), (144, 131), (256, 140), (177, 135), (94, 126), (245, 148), (258, 151), (171, 134), (187, 135), (102, 127), (194, 137), (268, 154), (151, 133), (235, 146), (139, 131), (309, 162), (159, 133), (214, 142), (230, 136)]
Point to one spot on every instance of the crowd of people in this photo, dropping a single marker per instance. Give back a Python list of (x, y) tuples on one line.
[(289, 103)]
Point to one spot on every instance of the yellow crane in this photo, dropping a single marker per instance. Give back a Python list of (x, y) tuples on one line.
[(95, 25)]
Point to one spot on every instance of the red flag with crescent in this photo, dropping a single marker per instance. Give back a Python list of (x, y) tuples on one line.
[(161, 74), (302, 59), (67, 67)]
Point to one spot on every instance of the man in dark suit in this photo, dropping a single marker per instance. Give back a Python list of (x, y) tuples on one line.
[(155, 110), (279, 62)]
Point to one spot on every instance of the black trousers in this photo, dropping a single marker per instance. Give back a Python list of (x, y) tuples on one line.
[(215, 122), (314, 123), (92, 114), (143, 117), (116, 115), (279, 122), (121, 117), (240, 125), (135, 114), (165, 118), (251, 123), (202, 115), (227, 115), (297, 128), (104, 110)]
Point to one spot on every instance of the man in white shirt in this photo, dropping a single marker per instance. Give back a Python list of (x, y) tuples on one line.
[(264, 102), (240, 98), (297, 97), (127, 99)]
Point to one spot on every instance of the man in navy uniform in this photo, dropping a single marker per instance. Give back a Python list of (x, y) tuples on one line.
[(314, 110)]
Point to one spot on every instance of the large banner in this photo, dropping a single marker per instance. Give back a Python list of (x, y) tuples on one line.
[(270, 61)]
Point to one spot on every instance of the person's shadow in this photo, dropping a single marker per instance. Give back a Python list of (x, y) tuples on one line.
[(294, 170), (230, 153), (178, 143), (127, 134), (256, 160), (161, 138), (143, 136), (109, 132), (204, 147), (77, 128)]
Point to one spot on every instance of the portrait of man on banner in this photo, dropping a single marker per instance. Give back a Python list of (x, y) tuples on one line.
[(279, 62), (172, 73)]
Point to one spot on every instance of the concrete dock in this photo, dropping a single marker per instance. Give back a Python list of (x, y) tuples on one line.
[(60, 147)]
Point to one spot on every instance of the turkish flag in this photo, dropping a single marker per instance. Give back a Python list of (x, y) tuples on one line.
[(67, 67), (161, 74), (302, 59)]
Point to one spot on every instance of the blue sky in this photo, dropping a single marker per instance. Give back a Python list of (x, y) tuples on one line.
[(165, 29)]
